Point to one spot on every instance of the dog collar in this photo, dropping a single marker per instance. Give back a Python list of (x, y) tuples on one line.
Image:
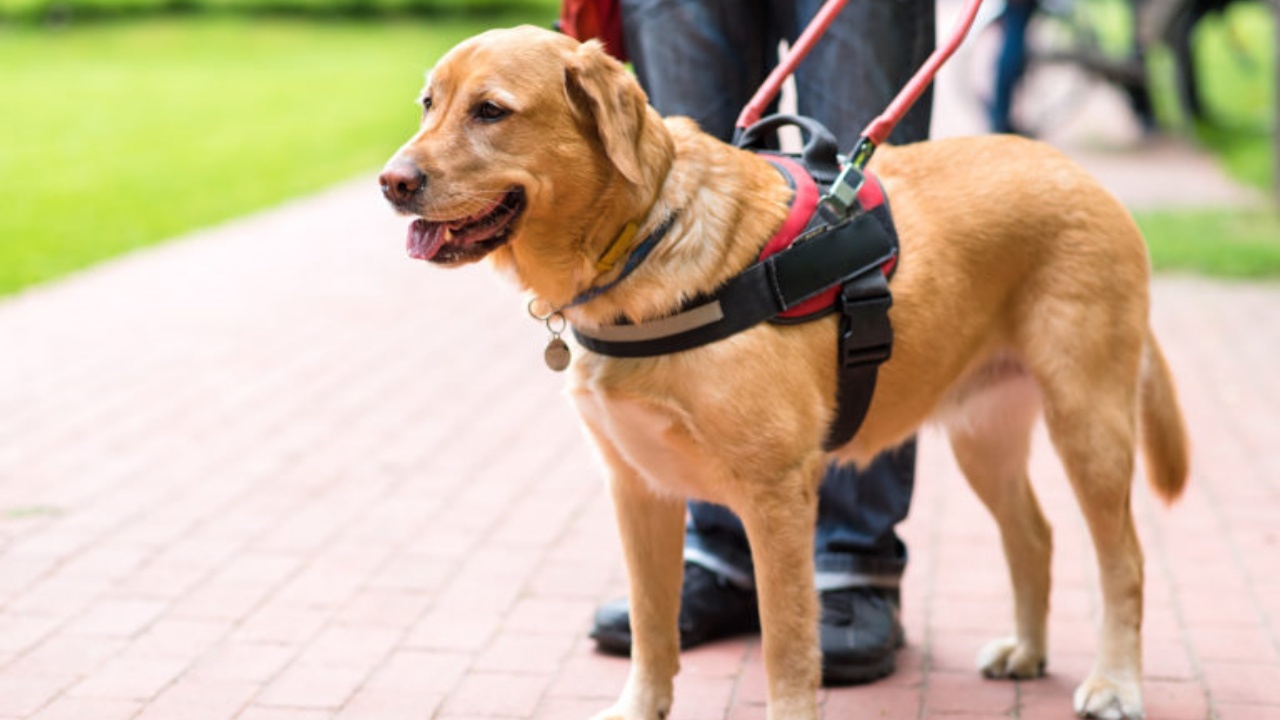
[(609, 259)]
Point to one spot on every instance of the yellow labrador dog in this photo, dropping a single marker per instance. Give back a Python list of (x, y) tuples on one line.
[(1022, 288)]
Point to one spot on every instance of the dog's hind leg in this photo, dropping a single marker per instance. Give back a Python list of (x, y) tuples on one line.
[(779, 517), (991, 438), (651, 526), (1090, 387)]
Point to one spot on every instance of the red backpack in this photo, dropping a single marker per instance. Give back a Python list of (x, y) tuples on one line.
[(601, 19)]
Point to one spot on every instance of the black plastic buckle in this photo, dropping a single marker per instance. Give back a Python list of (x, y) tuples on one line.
[(866, 335)]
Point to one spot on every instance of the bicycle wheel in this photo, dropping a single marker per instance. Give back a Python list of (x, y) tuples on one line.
[(1055, 84), (1052, 85)]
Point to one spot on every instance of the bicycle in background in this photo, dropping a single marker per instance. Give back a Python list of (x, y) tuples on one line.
[(1215, 57)]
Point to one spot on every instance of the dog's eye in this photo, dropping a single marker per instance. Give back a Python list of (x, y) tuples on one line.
[(489, 111), (426, 103)]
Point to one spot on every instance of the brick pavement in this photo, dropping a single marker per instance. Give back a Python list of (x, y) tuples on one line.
[(274, 471)]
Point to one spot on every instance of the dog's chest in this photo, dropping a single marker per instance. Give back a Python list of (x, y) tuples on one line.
[(658, 442)]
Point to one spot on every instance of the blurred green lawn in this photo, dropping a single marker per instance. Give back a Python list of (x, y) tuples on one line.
[(118, 135)]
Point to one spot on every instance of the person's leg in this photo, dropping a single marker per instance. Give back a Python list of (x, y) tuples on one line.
[(856, 544), (1010, 63), (702, 59), (858, 66)]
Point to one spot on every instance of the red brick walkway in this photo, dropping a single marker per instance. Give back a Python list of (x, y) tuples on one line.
[(276, 471)]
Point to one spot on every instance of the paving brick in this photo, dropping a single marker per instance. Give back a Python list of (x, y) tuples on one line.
[(1231, 711), (313, 686), (550, 615), (272, 713), (454, 629), (192, 699), (118, 617), (969, 693), (701, 698), (67, 655), (569, 709), (131, 676), (20, 632), (68, 708), (390, 705), (586, 674), (495, 695), (1242, 683), (1175, 700), (351, 645), (244, 662), (23, 695), (524, 653)]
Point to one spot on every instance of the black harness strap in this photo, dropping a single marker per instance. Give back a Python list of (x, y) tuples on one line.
[(854, 248), (866, 340)]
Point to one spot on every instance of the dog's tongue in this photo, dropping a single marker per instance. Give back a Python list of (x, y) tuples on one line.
[(425, 239)]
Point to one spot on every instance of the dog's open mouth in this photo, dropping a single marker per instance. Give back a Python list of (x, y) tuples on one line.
[(469, 238)]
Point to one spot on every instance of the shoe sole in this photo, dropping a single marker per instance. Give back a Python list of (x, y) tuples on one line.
[(844, 675), (618, 644)]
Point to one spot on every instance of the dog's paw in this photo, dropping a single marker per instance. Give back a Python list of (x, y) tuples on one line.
[(617, 713), (632, 711), (1007, 658), (1103, 698)]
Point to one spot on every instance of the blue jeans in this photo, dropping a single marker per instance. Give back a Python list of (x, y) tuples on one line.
[(705, 59), (1010, 63)]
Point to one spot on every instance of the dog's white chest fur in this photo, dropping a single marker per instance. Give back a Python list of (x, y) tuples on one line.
[(659, 444)]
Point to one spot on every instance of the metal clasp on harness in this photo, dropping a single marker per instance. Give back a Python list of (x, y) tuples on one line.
[(842, 199)]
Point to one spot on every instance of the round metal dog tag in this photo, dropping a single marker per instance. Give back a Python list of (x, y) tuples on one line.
[(557, 354)]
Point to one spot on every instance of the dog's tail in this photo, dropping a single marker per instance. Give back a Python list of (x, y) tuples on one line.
[(1164, 434)]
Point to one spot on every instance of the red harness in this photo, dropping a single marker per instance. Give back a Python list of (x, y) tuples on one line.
[(803, 206)]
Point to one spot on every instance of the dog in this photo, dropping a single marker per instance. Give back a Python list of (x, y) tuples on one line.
[(1022, 291)]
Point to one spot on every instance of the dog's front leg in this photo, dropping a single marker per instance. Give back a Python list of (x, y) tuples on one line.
[(780, 519), (652, 531)]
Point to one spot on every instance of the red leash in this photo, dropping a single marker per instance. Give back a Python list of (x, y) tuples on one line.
[(879, 129)]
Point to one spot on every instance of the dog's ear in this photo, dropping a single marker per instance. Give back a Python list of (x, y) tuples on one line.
[(612, 102)]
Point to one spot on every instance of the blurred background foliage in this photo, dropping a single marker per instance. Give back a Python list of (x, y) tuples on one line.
[(127, 122), (53, 12)]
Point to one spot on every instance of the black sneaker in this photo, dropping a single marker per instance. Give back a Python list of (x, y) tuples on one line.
[(711, 608), (860, 633)]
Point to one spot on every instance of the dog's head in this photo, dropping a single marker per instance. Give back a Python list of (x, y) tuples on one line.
[(531, 146)]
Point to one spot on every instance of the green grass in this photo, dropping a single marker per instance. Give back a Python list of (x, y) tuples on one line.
[(115, 136), (1222, 243)]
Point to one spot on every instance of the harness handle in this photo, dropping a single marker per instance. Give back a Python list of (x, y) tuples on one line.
[(821, 151), (879, 129)]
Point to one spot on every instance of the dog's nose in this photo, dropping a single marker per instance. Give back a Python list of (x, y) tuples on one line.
[(401, 181)]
